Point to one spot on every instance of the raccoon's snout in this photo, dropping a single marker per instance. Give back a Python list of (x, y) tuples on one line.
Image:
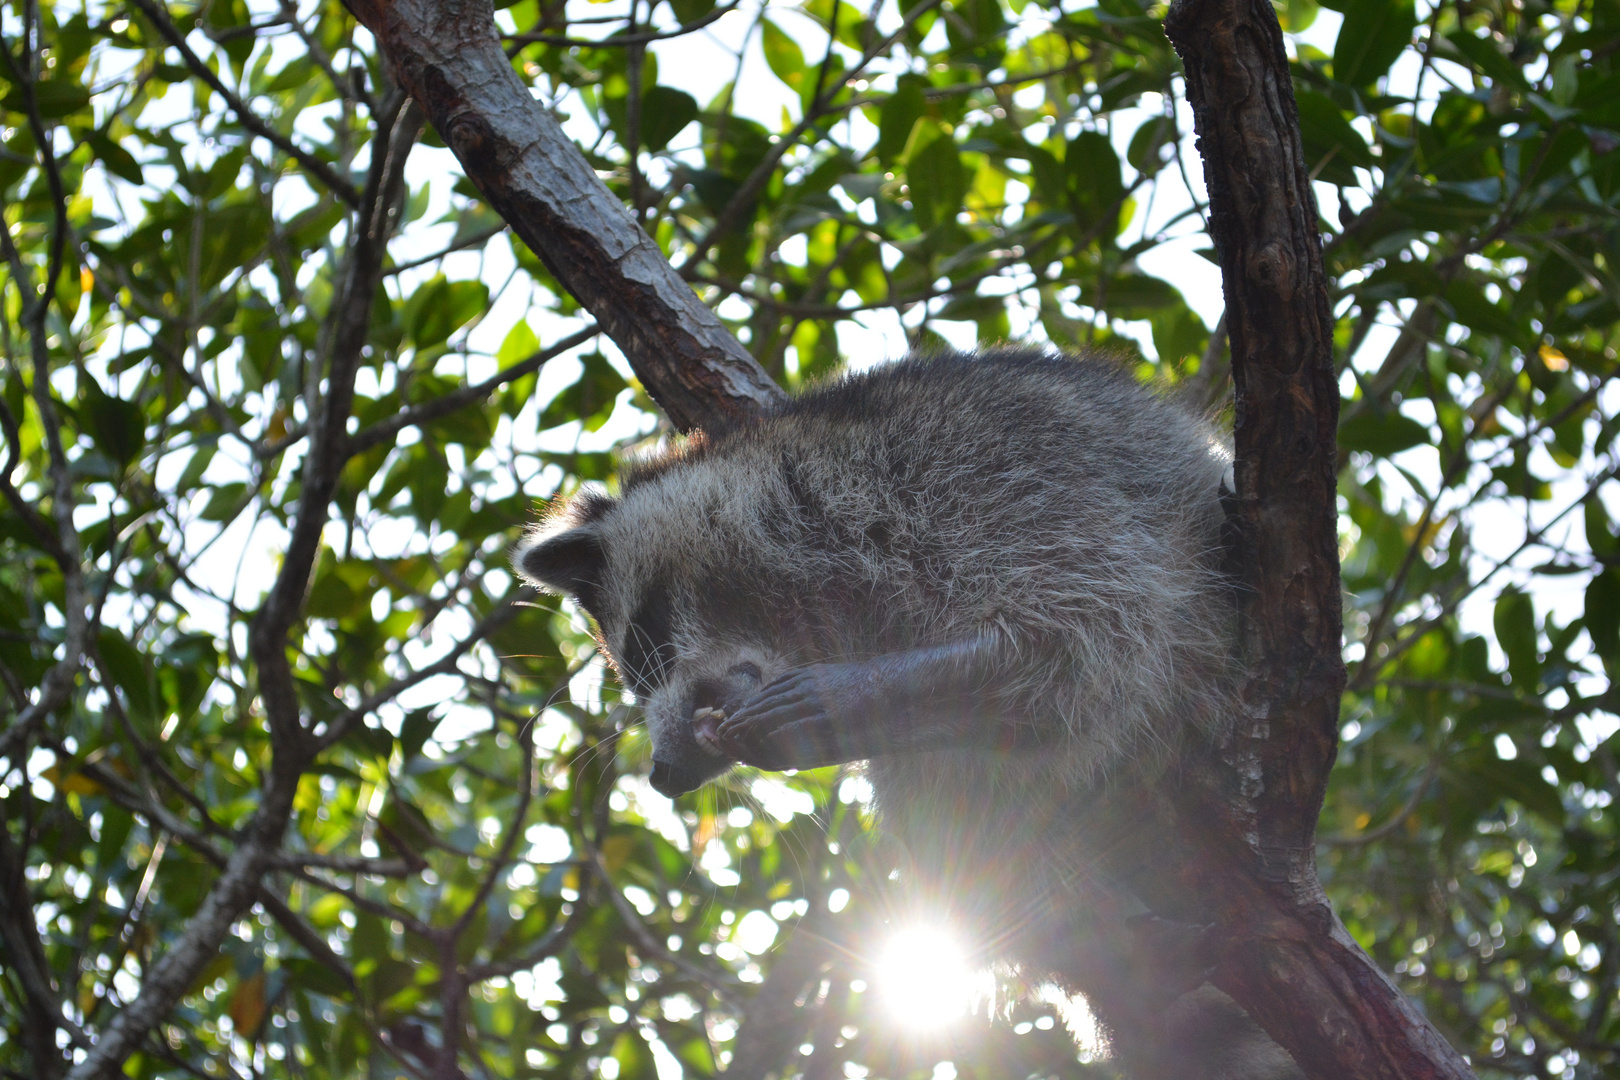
[(671, 780), (690, 753), (714, 699)]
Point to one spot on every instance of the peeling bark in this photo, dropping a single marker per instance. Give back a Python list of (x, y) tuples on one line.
[(447, 54)]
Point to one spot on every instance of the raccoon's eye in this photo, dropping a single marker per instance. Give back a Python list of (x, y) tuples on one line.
[(647, 650)]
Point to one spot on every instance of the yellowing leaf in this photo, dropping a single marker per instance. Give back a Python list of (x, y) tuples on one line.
[(615, 851), (248, 1005), (74, 782)]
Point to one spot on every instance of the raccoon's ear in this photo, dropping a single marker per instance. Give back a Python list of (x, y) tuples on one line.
[(573, 562)]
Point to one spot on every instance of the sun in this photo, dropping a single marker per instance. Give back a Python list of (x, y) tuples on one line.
[(924, 978)]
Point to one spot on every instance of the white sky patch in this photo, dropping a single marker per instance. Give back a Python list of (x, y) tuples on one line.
[(781, 801), (548, 844), (755, 932), (539, 984)]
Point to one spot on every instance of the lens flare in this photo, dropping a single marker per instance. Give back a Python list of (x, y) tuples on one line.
[(924, 977)]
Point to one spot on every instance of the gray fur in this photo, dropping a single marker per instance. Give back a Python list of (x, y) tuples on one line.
[(1052, 507)]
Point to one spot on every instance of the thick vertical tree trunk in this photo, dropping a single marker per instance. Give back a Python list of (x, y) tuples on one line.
[(1288, 960)]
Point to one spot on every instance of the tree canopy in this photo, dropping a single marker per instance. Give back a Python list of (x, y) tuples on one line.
[(299, 782)]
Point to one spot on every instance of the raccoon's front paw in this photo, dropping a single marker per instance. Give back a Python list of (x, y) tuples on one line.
[(800, 720)]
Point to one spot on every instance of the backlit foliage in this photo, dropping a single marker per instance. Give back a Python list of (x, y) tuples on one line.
[(468, 875)]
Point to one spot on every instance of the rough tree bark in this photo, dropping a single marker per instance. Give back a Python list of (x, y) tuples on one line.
[(1246, 822), (1288, 961), (447, 54)]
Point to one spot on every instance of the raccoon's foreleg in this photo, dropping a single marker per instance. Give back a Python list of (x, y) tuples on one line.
[(932, 698)]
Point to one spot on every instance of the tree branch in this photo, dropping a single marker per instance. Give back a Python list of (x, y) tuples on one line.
[(448, 54), (428, 411), (239, 883), (623, 40)]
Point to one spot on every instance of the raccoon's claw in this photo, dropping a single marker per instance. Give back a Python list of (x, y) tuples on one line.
[(793, 723)]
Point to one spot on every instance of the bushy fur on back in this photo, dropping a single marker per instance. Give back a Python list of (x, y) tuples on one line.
[(1051, 504)]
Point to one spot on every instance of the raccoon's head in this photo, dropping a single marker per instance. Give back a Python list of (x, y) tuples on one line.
[(633, 566)]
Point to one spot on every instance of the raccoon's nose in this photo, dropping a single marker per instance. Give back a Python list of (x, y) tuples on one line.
[(667, 780)]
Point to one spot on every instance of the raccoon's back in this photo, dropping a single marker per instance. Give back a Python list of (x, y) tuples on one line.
[(1033, 493)]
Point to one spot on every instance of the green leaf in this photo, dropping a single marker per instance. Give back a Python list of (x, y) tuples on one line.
[(1373, 34), (415, 730), (1602, 614), (1520, 781), (1469, 306), (1600, 535), (117, 426), (1146, 151), (439, 307), (665, 112), (120, 162), (1382, 434), (225, 502), (1515, 622), (898, 116), (1296, 16), (1178, 333), (1332, 146), (850, 22), (1133, 296), (1092, 182), (691, 10), (1566, 80), (53, 98), (782, 54), (590, 399), (131, 673), (1488, 56), (975, 30), (518, 345), (935, 177), (428, 481)]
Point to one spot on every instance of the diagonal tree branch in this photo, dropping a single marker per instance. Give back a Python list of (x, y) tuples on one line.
[(450, 57)]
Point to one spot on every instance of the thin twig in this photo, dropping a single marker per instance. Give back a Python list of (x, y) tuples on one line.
[(244, 114), (623, 40)]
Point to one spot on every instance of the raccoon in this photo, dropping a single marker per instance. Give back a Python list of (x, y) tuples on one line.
[(996, 579)]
